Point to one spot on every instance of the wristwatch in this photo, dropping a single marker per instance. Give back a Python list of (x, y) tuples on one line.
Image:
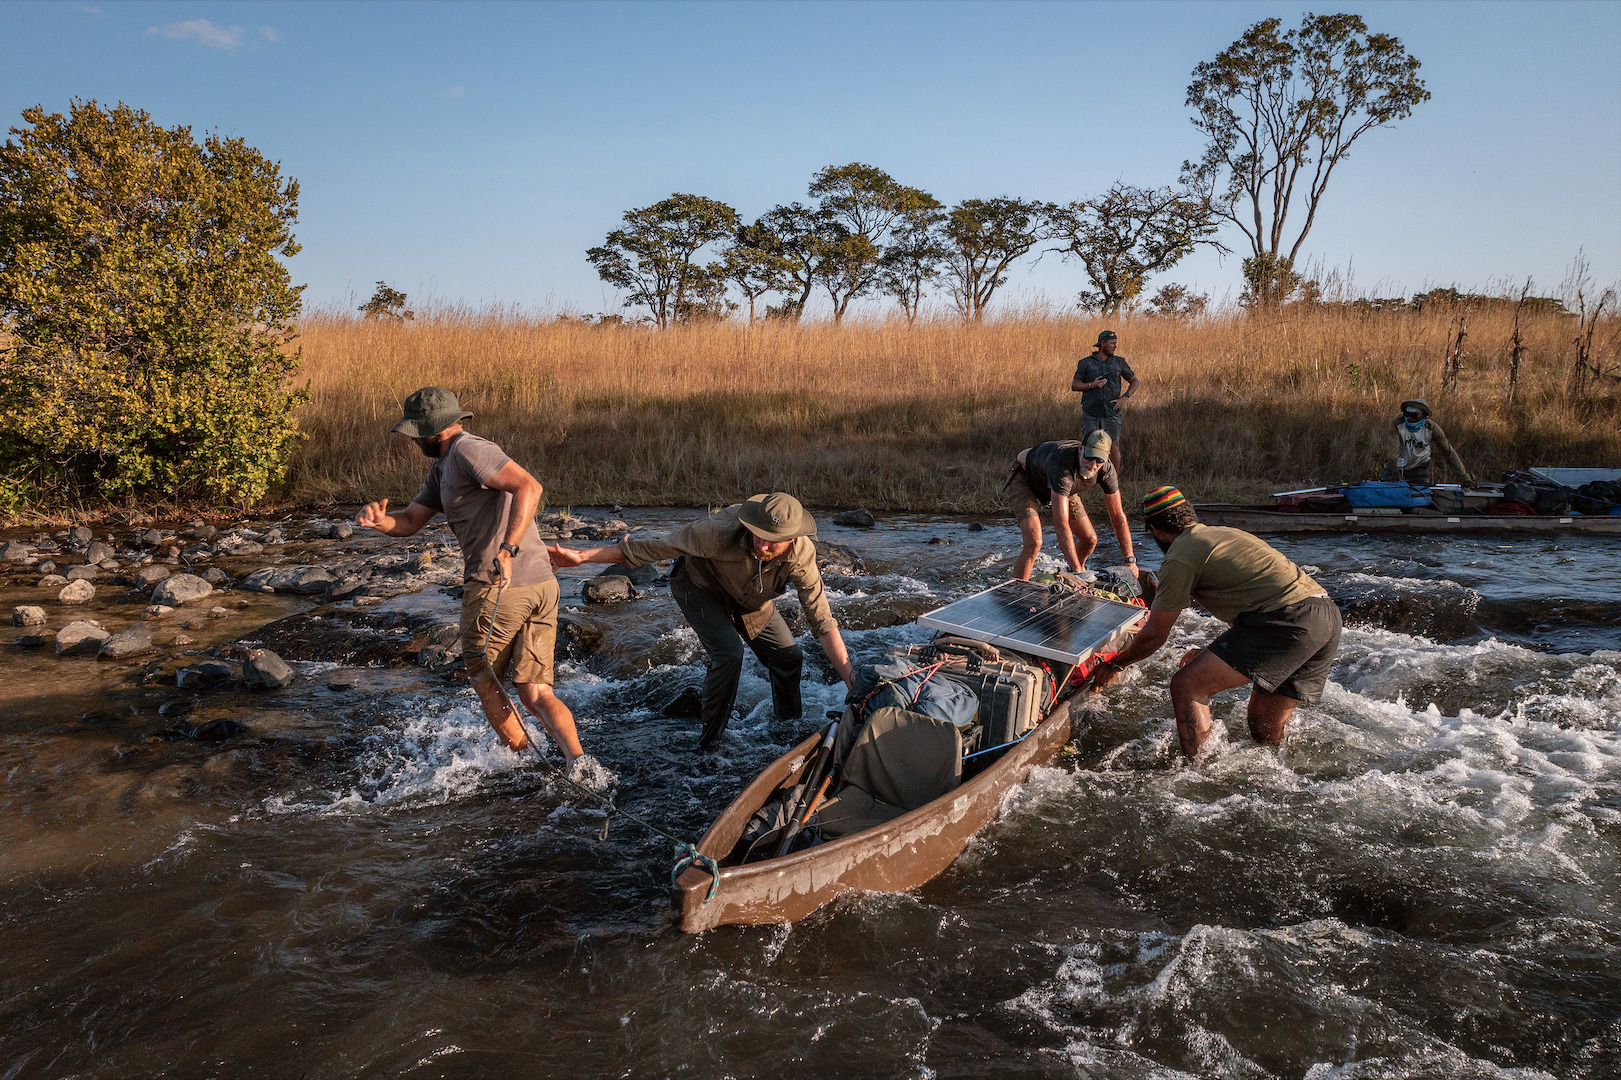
[(510, 549), (1131, 560)]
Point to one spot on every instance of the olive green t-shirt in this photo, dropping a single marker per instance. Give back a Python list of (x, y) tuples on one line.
[(1229, 572)]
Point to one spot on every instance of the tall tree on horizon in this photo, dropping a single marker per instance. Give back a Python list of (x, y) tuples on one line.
[(653, 256), (1128, 234), (860, 205), (983, 237), (1279, 113), (914, 257)]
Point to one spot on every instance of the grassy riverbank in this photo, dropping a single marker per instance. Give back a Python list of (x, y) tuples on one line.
[(892, 416)]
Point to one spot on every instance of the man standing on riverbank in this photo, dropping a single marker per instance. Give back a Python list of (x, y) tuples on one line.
[(1413, 434), (1284, 634), (1097, 379), (1059, 473), (729, 568), (509, 597)]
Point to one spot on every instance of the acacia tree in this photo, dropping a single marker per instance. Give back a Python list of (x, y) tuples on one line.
[(1126, 235), (859, 206), (755, 263), (148, 316), (983, 237), (913, 259), (1279, 113), (652, 257), (387, 304), (798, 232)]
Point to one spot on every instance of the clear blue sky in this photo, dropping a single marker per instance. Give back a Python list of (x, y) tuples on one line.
[(475, 151)]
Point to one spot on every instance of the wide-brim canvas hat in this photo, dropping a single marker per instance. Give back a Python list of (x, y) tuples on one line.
[(430, 411), (1418, 404), (776, 517)]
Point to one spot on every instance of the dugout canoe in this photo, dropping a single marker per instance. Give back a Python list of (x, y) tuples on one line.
[(1261, 519), (896, 856)]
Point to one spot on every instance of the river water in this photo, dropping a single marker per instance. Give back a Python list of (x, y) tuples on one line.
[(1423, 882)]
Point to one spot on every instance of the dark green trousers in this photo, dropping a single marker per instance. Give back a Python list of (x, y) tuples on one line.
[(722, 638)]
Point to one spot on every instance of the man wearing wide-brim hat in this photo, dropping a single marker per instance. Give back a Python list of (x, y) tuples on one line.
[(729, 569), (509, 594), (1413, 435)]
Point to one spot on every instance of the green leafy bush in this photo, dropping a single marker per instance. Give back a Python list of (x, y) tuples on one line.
[(147, 319)]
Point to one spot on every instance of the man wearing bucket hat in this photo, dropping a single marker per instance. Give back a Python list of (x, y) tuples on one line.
[(729, 568), (1284, 630), (1097, 379), (509, 597), (1059, 473), (1413, 434)]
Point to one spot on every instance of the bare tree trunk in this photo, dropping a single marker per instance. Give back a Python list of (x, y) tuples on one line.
[(1454, 357), (1517, 346)]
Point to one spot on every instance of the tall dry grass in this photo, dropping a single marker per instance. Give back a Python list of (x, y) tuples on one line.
[(926, 417)]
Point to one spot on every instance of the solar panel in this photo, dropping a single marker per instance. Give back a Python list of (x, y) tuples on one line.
[(1027, 618)]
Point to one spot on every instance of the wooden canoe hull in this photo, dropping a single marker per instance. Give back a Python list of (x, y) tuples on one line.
[(1261, 520), (896, 856)]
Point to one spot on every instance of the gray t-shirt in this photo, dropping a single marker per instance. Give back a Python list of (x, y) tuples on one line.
[(1053, 471), (478, 514), (1099, 402)]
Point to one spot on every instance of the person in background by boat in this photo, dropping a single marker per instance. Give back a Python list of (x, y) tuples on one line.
[(729, 568), (490, 501), (1097, 380), (1059, 473), (1284, 630), (1413, 436)]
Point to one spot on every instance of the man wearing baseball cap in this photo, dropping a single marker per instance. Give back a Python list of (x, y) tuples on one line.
[(509, 593), (729, 569), (1284, 630), (1097, 379), (1058, 473)]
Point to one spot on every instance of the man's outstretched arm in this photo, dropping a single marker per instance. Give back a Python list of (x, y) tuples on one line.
[(375, 515), (1145, 643)]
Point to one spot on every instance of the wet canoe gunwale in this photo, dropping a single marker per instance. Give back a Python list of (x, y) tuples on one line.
[(1257, 519), (896, 856)]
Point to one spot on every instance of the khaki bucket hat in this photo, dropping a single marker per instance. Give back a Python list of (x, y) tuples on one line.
[(430, 411), (776, 517)]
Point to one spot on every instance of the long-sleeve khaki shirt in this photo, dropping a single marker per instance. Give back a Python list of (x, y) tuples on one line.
[(718, 557), (1416, 447)]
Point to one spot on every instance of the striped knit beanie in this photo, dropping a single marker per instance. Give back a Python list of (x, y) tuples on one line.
[(1162, 499)]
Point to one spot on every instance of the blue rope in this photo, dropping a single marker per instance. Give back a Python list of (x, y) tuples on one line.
[(687, 857)]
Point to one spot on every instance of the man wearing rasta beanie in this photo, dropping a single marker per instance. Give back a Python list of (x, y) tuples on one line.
[(1284, 630)]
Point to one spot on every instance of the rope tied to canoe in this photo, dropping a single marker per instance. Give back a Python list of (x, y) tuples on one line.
[(687, 854)]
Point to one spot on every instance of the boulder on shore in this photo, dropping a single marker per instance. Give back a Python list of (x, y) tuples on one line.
[(265, 670), (76, 592), (15, 552), (80, 639), (97, 552), (607, 589), (180, 589), (27, 615), (293, 579), (856, 519), (133, 641), (82, 573), (836, 558), (148, 576)]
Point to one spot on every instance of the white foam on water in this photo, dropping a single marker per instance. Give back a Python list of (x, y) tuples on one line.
[(880, 585)]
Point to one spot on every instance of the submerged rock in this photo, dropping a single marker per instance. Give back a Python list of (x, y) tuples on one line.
[(208, 675), (265, 670), (82, 573), (293, 579), (341, 530), (148, 576), (37, 640), (834, 557), (181, 589), (856, 519), (685, 705), (607, 588), (80, 639), (15, 552), (27, 615), (133, 641), (76, 592), (156, 611)]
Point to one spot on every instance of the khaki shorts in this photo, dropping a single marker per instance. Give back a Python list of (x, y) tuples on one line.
[(525, 634), (1025, 503)]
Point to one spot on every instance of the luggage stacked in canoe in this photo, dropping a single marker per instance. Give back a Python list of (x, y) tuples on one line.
[(903, 740)]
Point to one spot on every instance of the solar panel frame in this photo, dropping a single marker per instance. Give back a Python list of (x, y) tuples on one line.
[(1026, 617)]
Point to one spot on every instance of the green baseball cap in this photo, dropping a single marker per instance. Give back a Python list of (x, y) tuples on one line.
[(430, 411), (1097, 446)]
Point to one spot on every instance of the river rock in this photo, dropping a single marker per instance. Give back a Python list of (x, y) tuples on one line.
[(293, 579), (939, 541), (836, 558), (82, 573), (217, 612), (46, 567), (76, 592), (15, 552), (27, 615), (274, 536), (216, 577), (687, 704), (340, 530), (200, 531), (265, 670), (976, 526), (856, 519), (97, 553), (180, 589), (37, 640), (50, 581), (607, 589), (133, 641), (238, 545), (148, 576), (156, 611), (576, 640), (80, 639), (149, 538), (79, 534), (207, 675)]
